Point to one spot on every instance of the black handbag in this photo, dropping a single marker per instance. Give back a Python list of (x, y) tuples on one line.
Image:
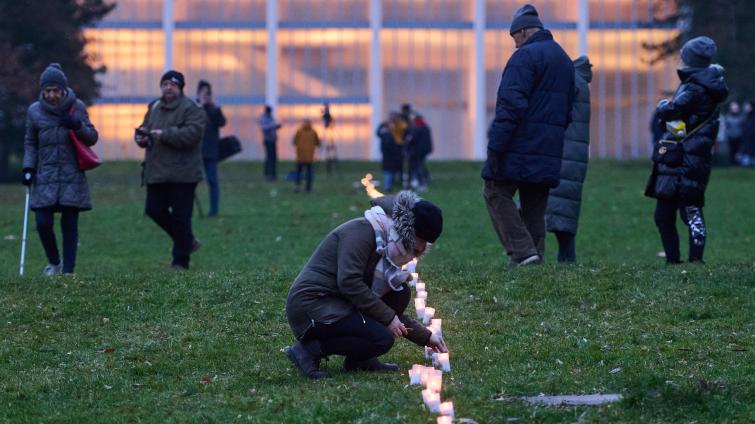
[(228, 146), (668, 152), (671, 152)]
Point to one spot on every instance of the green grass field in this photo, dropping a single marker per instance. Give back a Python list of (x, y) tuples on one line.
[(127, 340)]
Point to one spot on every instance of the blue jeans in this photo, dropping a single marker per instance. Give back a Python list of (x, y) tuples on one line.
[(211, 171), (271, 160), (308, 167), (69, 224)]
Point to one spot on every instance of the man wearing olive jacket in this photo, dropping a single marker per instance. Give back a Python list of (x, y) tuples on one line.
[(350, 297), (171, 134)]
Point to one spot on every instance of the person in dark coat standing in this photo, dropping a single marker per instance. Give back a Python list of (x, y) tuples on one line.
[(679, 186), (525, 140), (564, 201), (210, 142), (52, 167), (393, 154), (351, 296), (270, 140), (419, 144), (171, 134)]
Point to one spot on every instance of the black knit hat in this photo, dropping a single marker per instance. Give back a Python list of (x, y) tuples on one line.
[(53, 75), (525, 17), (175, 77), (428, 221), (202, 84), (698, 52)]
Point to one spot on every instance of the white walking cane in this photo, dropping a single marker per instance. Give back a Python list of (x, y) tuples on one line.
[(23, 239)]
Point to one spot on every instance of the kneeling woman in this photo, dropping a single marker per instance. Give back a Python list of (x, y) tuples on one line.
[(350, 297)]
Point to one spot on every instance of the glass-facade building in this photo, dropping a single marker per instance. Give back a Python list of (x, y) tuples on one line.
[(366, 58)]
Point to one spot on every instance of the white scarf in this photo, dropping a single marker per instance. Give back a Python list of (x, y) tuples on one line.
[(388, 275)]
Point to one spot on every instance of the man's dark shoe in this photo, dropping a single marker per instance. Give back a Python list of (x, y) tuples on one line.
[(372, 364), (195, 245), (307, 364)]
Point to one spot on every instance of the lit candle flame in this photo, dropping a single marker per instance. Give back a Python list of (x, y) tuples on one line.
[(370, 188)]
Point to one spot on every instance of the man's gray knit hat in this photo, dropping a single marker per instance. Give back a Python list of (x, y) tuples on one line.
[(698, 52), (525, 17), (53, 75)]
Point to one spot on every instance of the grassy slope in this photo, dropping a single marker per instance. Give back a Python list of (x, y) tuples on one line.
[(126, 339)]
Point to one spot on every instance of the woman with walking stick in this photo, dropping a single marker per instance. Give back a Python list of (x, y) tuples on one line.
[(51, 166)]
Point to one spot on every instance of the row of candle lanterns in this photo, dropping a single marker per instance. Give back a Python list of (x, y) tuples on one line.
[(429, 377)]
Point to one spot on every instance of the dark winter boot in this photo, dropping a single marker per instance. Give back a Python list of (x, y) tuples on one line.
[(372, 364), (307, 362)]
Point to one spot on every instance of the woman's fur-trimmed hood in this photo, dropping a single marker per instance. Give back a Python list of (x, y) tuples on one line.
[(401, 206)]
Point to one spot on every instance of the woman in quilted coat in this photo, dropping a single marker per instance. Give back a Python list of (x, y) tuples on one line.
[(51, 166)]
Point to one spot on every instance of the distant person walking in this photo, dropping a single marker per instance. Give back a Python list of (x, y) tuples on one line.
[(171, 134), (51, 166), (270, 139), (306, 142), (210, 142), (681, 172), (564, 201), (525, 140)]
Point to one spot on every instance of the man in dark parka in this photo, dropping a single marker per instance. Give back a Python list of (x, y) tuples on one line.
[(525, 140), (564, 201)]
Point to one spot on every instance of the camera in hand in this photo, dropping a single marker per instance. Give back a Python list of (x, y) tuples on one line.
[(141, 132)]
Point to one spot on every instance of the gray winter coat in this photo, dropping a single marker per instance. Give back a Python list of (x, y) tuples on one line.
[(565, 200), (48, 149)]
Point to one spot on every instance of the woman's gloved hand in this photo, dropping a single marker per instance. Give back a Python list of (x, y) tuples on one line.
[(27, 176), (68, 122)]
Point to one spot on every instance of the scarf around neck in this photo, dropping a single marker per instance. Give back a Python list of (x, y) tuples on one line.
[(388, 276)]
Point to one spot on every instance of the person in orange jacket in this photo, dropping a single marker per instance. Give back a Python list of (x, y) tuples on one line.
[(306, 141)]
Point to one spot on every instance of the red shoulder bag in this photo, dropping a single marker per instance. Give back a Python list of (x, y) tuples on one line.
[(84, 154)]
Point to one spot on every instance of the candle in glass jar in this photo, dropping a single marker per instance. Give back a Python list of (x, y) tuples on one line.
[(421, 295), (412, 266), (415, 374), (435, 382), (444, 420), (447, 409), (419, 306), (433, 329), (437, 323), (429, 314), (420, 286), (444, 361), (432, 400)]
